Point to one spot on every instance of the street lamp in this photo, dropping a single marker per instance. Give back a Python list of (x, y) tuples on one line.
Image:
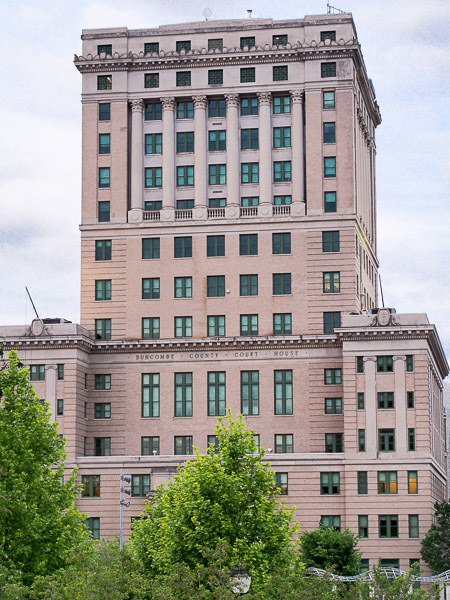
[(241, 581), (123, 490)]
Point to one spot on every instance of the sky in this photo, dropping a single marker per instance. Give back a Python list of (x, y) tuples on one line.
[(406, 48)]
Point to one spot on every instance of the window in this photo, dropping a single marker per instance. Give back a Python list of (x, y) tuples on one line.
[(150, 248), (329, 166), (183, 78), (140, 485), (182, 247), (91, 486), (411, 439), (153, 205), (284, 443), (250, 172), (362, 482), (386, 400), (256, 440), (249, 139), (248, 42), (103, 289), (327, 35), (330, 321), (333, 406), (328, 69), (281, 482), (153, 111), (104, 111), (409, 363), (102, 382), (150, 445), (363, 526), (281, 283), (182, 327), (387, 482), (394, 563), (216, 325), (282, 323), (37, 373), (104, 179), (185, 176), (410, 399), (102, 249), (216, 394), (360, 364), (217, 140), (361, 401), (283, 392), (150, 47), (151, 80), (104, 49), (282, 200), (215, 245), (280, 73), (250, 392), (183, 445), (281, 105), (185, 109), (217, 202), (153, 177), (281, 243), (213, 440), (330, 484), (333, 521), (248, 244), (215, 286), (182, 287), (250, 201), (334, 442), (183, 395), (280, 40), (153, 143), (328, 100), (185, 143), (385, 364), (331, 282), (104, 82), (102, 446), (93, 526), (60, 407), (215, 77), (104, 143), (388, 526), (150, 288), (412, 482), (330, 205), (248, 285), (217, 174), (217, 108), (150, 328), (332, 376), (249, 106), (248, 75), (282, 171), (215, 44), (329, 133), (102, 410), (281, 137), (185, 204), (249, 324), (386, 440), (103, 212), (60, 372), (183, 45), (102, 329)]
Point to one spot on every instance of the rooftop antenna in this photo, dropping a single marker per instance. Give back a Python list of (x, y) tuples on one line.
[(249, 13), (207, 13), (31, 300), (332, 10), (381, 290)]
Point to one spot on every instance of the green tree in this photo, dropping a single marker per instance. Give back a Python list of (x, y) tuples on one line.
[(435, 549), (384, 587), (332, 550), (38, 521), (225, 498)]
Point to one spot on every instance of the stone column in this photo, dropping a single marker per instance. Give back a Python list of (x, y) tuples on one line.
[(370, 402), (137, 162), (168, 159), (200, 156), (50, 387), (233, 155), (265, 153), (297, 141), (401, 442)]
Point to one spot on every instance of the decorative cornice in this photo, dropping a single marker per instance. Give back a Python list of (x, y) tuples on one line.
[(232, 99), (199, 101), (137, 106), (168, 103), (264, 98)]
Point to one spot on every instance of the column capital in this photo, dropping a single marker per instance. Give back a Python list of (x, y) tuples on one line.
[(370, 359), (137, 105), (264, 97), (51, 367), (199, 101), (232, 99), (403, 358), (168, 103), (297, 96)]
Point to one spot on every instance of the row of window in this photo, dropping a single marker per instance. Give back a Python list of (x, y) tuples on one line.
[(385, 364), (37, 372), (388, 525)]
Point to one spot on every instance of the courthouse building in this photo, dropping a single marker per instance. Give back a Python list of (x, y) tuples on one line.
[(229, 260)]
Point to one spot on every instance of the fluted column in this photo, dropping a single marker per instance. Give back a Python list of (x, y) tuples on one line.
[(200, 148), (370, 400), (401, 446), (233, 151), (168, 159), (265, 150), (137, 161), (297, 141)]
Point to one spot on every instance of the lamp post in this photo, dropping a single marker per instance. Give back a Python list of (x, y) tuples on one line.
[(241, 581), (123, 490)]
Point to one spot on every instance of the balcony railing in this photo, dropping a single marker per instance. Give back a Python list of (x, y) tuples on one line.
[(183, 214), (216, 213), (249, 211), (282, 209), (152, 215)]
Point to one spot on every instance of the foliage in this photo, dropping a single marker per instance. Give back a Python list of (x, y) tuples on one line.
[(38, 521), (222, 499), (435, 549), (383, 587), (332, 550)]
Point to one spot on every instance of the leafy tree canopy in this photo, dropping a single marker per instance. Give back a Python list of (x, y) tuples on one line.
[(38, 521), (436, 544), (332, 550), (222, 499)]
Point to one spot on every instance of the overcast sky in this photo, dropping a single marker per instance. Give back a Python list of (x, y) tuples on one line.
[(407, 52)]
